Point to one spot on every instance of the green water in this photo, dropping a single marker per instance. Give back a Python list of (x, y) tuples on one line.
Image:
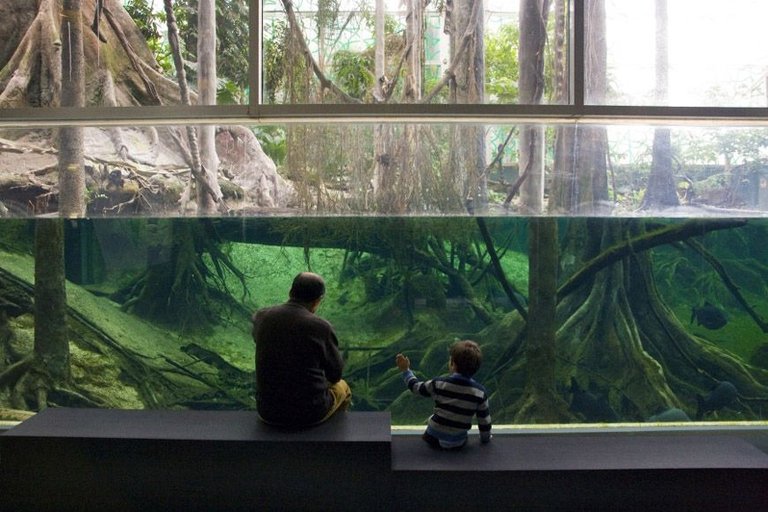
[(158, 312)]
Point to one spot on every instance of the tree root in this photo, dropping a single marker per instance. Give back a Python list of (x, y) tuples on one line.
[(41, 40), (132, 57), (14, 414), (12, 374)]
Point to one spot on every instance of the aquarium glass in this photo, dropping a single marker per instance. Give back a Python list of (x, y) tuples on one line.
[(657, 319), (400, 169)]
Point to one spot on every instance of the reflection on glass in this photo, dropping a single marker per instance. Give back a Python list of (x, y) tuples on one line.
[(389, 51), (132, 51), (400, 169), (682, 53), (656, 319)]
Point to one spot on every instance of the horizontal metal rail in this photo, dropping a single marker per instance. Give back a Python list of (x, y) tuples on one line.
[(391, 114)]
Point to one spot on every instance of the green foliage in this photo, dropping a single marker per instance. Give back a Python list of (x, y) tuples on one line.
[(502, 70), (353, 73), (145, 19), (232, 43), (232, 48), (272, 140), (740, 145), (327, 13), (229, 93), (274, 58), (149, 23)]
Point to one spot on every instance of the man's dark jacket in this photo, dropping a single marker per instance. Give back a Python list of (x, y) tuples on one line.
[(297, 356)]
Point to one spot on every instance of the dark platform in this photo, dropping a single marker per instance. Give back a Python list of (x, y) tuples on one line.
[(112, 460), (601, 472)]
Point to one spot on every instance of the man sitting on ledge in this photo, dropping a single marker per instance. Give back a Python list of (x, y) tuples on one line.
[(298, 364)]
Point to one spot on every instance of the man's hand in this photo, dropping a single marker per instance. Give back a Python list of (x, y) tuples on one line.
[(402, 362)]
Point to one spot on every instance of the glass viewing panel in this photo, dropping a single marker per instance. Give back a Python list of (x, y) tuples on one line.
[(673, 329), (401, 170), (128, 58), (661, 308), (693, 53), (331, 52)]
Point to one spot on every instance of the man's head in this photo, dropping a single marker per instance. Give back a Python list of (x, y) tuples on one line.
[(307, 288), (466, 357)]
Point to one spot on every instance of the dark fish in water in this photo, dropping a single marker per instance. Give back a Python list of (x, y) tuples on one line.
[(723, 395), (594, 409), (671, 414), (709, 316), (503, 301)]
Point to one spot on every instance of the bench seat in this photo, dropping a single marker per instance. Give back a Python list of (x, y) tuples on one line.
[(600, 472), (110, 460)]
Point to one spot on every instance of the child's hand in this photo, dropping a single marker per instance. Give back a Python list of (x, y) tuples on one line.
[(402, 362)]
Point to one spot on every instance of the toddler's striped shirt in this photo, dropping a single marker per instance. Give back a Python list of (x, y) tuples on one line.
[(457, 399)]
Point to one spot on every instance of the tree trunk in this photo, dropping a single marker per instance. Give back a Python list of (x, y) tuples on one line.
[(398, 182), (580, 179), (119, 70), (597, 336), (540, 402), (533, 38), (71, 159), (381, 135), (51, 345), (562, 188), (206, 84), (468, 87), (205, 185), (173, 288), (661, 190)]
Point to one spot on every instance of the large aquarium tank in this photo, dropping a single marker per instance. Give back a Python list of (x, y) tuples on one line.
[(590, 210)]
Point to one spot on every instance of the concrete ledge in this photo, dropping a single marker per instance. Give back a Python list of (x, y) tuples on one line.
[(581, 452), (91, 459), (581, 472)]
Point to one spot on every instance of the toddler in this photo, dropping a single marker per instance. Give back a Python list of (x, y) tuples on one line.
[(458, 397)]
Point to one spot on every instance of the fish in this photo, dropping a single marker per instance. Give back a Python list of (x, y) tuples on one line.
[(594, 409), (723, 395), (671, 414), (709, 316)]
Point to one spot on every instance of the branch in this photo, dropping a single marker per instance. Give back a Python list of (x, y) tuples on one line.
[(9, 146), (325, 82), (450, 71), (500, 154), (715, 264), (644, 242), (528, 166), (500, 275), (390, 87)]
